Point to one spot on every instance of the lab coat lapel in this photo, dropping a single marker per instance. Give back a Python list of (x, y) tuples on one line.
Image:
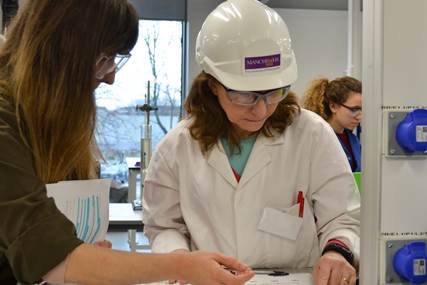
[(219, 161), (259, 158)]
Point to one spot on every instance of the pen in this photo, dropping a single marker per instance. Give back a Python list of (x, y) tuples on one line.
[(232, 271), (271, 272), (300, 201)]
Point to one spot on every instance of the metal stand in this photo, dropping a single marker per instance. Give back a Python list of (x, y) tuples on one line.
[(145, 159), (145, 142)]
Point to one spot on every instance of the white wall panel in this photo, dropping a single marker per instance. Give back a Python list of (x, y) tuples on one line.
[(405, 52), (404, 187), (404, 195)]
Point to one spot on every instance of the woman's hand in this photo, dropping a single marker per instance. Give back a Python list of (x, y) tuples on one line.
[(333, 269), (206, 268), (181, 282), (104, 243)]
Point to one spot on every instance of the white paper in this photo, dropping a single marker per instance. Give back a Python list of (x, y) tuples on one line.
[(85, 203), (291, 279)]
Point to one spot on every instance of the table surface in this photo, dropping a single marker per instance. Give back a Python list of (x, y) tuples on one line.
[(123, 214)]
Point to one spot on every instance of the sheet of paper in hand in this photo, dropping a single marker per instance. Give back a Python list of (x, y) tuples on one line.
[(85, 203)]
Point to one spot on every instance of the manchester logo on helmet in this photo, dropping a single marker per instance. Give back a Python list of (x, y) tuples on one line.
[(262, 62)]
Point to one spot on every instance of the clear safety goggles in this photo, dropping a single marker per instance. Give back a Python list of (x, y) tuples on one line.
[(107, 64), (355, 111), (251, 98)]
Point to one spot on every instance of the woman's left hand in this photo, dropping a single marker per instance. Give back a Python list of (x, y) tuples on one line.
[(104, 243), (181, 282), (333, 269)]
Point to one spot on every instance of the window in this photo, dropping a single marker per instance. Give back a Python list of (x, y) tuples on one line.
[(156, 58)]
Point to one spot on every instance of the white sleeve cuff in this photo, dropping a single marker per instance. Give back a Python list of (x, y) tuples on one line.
[(168, 241)]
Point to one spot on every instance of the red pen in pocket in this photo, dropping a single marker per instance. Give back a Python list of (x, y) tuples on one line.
[(300, 201)]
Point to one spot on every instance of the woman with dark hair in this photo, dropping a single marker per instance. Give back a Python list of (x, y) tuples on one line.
[(248, 172), (339, 102), (55, 55)]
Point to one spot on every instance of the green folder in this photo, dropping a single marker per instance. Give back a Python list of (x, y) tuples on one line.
[(358, 179)]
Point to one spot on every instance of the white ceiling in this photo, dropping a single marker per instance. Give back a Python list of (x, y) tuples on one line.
[(308, 4)]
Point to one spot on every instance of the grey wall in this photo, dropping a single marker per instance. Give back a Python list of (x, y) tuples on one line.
[(164, 9), (197, 10), (319, 39)]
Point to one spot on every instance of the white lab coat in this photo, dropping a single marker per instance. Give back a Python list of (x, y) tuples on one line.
[(193, 201)]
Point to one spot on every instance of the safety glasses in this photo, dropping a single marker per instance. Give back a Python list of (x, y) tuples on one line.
[(251, 98), (107, 64), (354, 110)]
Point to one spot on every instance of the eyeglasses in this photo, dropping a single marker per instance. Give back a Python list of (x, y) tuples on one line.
[(251, 98), (354, 110), (107, 64)]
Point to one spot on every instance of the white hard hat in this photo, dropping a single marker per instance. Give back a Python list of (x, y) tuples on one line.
[(246, 46)]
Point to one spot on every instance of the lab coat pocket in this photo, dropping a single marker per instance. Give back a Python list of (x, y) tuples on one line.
[(285, 224)]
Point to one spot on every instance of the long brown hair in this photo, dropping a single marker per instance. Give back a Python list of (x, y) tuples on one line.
[(210, 122), (322, 92), (47, 70)]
